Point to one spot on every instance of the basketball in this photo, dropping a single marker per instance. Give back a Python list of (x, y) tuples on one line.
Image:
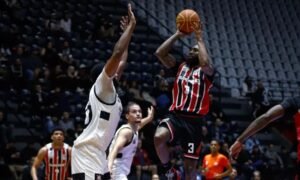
[(186, 20)]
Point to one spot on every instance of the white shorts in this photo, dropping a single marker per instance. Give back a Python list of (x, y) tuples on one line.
[(119, 177), (119, 173), (88, 160)]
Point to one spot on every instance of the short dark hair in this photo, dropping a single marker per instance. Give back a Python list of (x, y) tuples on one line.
[(95, 71), (127, 108), (57, 129)]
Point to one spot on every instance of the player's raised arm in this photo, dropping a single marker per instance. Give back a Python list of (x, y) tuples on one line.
[(147, 119), (121, 46), (162, 52), (204, 59)]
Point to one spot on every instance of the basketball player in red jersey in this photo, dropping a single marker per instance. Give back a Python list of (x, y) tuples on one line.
[(289, 107), (56, 157), (190, 102)]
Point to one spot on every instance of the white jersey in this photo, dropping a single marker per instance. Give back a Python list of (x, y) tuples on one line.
[(122, 164), (88, 152)]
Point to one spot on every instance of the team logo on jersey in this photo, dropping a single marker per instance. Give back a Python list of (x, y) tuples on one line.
[(104, 115)]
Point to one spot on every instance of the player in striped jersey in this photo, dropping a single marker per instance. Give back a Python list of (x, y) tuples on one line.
[(125, 142), (56, 157), (103, 111), (190, 102)]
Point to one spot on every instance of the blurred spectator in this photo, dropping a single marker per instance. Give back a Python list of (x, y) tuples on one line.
[(251, 142), (39, 101), (66, 122), (16, 70), (261, 100), (288, 163), (28, 151), (5, 130), (216, 111), (274, 161), (65, 54), (83, 78), (78, 130), (104, 28), (206, 136), (146, 95), (71, 80), (66, 24), (247, 87), (49, 56), (32, 64), (163, 98), (233, 175), (243, 162), (52, 24), (142, 162), (26, 173), (134, 90), (257, 158), (256, 175), (50, 123), (13, 159), (59, 101), (219, 130)]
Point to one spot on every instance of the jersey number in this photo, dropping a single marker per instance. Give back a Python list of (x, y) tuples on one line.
[(191, 148), (88, 115)]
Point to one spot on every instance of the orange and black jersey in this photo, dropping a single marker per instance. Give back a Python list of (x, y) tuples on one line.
[(190, 90)]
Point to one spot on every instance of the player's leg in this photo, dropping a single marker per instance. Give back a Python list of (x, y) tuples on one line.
[(191, 145), (190, 168), (165, 134), (161, 138)]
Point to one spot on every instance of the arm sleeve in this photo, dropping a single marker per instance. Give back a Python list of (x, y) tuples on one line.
[(104, 88)]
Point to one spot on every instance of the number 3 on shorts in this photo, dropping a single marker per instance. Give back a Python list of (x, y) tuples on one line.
[(191, 147)]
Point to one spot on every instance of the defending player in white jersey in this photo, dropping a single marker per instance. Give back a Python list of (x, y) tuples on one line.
[(103, 110), (124, 144)]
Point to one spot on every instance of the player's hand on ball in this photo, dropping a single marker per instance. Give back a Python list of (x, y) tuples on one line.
[(235, 149), (198, 30), (180, 34)]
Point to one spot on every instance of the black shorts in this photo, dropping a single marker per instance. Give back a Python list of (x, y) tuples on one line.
[(186, 131)]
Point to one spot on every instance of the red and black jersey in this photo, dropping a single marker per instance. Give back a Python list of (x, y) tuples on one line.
[(57, 163), (291, 107), (190, 90)]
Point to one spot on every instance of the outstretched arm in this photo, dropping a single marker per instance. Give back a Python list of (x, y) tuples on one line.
[(124, 23), (162, 52), (121, 46), (147, 119), (258, 124), (104, 87)]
